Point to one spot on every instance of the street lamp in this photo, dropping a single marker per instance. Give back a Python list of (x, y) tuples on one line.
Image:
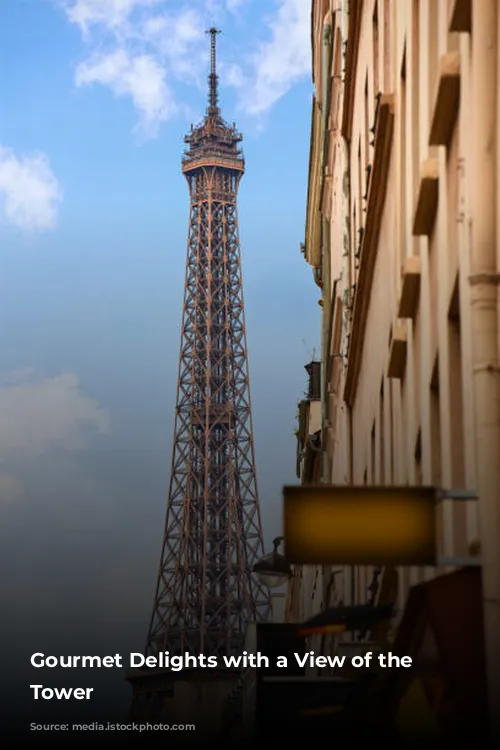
[(273, 570)]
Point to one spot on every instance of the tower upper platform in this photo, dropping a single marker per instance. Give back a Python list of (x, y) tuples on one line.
[(213, 143)]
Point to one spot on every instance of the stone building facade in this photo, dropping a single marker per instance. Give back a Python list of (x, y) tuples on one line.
[(403, 214)]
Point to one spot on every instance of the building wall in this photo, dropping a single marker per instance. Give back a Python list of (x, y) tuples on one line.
[(401, 398), (393, 419)]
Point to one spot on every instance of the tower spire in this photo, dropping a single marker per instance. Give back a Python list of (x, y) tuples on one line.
[(213, 80)]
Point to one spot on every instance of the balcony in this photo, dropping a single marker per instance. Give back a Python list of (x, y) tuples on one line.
[(313, 370), (447, 100), (460, 16), (309, 425), (397, 355)]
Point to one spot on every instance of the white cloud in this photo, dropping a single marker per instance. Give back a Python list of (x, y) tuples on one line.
[(141, 78), (110, 13), (282, 61), (37, 415), (233, 5), (173, 33), (137, 51), (232, 75), (30, 194), (178, 39), (141, 49)]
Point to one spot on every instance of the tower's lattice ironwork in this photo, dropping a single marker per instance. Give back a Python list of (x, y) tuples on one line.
[(206, 592)]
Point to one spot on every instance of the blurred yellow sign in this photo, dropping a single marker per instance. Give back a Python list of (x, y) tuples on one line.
[(336, 525)]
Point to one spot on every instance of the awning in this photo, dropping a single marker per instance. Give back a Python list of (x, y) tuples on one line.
[(341, 619)]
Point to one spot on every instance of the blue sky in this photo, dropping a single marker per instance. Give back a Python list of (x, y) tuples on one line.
[(95, 98)]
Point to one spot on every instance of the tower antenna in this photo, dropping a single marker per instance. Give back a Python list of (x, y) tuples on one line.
[(213, 79)]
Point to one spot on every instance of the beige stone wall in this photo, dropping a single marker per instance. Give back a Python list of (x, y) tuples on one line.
[(421, 426), (400, 45)]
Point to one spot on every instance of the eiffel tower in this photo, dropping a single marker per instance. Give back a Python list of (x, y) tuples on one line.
[(206, 593)]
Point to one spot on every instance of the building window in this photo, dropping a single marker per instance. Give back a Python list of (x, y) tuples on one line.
[(455, 380), (453, 177), (354, 249), (435, 427), (433, 287), (336, 84), (436, 451), (360, 187), (361, 206), (456, 412), (402, 159), (417, 364), (415, 87), (381, 432), (392, 443), (432, 59), (418, 459), (376, 43), (373, 455), (387, 44), (366, 133)]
